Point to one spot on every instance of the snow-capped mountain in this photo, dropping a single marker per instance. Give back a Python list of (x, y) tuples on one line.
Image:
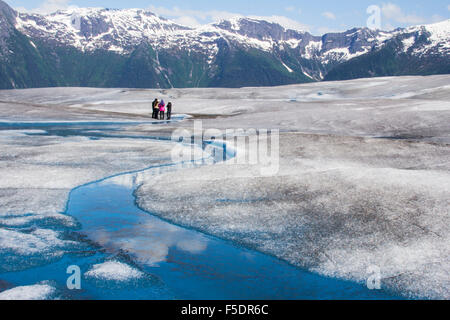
[(90, 29), (150, 51), (419, 50)]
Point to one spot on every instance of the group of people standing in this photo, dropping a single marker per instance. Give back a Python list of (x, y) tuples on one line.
[(159, 109)]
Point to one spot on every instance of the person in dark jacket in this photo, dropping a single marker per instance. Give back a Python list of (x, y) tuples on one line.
[(169, 110), (154, 109)]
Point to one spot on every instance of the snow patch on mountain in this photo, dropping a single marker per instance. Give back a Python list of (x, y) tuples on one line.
[(408, 43), (287, 68), (312, 48), (438, 36), (342, 54)]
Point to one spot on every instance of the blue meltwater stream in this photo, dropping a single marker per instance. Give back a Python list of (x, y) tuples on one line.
[(179, 263)]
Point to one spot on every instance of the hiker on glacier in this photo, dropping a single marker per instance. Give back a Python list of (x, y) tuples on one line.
[(154, 109), (169, 110), (162, 109)]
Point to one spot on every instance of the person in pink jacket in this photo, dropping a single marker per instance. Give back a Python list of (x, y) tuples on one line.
[(162, 109)]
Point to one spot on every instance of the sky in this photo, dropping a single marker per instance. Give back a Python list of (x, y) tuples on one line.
[(317, 17)]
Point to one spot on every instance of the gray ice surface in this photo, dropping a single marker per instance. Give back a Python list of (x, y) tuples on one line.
[(343, 200)]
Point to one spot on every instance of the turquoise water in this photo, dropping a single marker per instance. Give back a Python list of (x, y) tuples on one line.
[(179, 263)]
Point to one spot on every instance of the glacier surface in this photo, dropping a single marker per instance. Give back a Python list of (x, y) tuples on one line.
[(363, 178)]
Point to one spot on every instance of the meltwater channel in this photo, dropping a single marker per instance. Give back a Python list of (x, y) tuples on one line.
[(178, 262)]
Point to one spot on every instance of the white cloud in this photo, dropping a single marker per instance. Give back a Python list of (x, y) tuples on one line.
[(194, 18), (325, 30), (49, 6), (187, 21), (293, 9), (222, 15), (437, 18), (393, 12), (389, 27), (290, 9), (448, 7), (21, 9), (283, 21), (329, 15)]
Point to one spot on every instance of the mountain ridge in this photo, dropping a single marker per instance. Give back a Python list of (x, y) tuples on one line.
[(141, 49)]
